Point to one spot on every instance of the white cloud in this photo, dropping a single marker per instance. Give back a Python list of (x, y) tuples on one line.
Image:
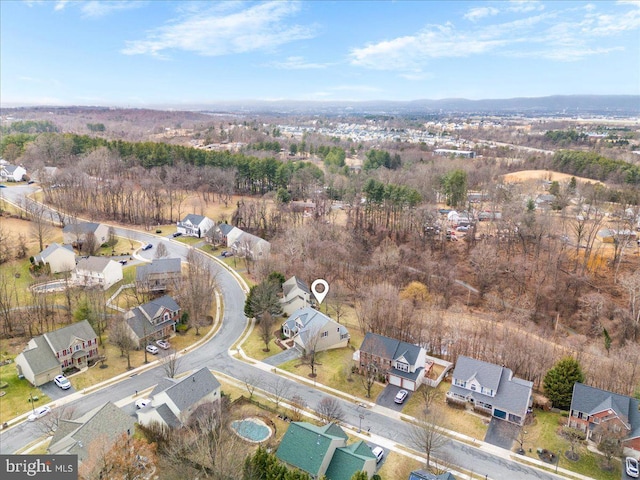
[(258, 27), (562, 35), (95, 8), (477, 13), (298, 63), (417, 76), (60, 4), (525, 6)]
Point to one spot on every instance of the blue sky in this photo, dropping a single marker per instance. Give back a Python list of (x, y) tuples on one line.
[(161, 53)]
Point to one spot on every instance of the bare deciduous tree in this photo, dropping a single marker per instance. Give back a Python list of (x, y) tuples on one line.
[(329, 410), (171, 363), (427, 436), (197, 292)]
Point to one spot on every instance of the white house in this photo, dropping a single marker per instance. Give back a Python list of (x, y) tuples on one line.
[(194, 225), (12, 173), (97, 271), (76, 233), (60, 258), (173, 401), (248, 245), (296, 295), (311, 329)]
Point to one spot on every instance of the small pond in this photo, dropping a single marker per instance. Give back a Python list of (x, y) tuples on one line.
[(251, 429)]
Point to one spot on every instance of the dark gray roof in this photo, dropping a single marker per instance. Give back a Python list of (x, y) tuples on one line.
[(408, 375), (81, 227), (168, 416), (10, 168), (162, 385), (389, 348), (313, 321), (63, 337), (94, 264), (194, 219), (288, 286), (106, 422), (424, 475), (141, 317), (41, 358), (158, 266), (143, 327), (225, 228), (192, 389), (153, 308), (487, 374), (591, 400)]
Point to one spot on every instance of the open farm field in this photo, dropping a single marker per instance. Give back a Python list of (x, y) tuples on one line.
[(526, 175)]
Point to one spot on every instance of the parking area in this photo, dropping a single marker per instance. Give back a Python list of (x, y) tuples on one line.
[(54, 392), (501, 433), (387, 396)]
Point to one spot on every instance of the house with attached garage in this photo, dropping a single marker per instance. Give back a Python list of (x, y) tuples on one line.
[(12, 173), (218, 235), (153, 320), (60, 258), (491, 389), (76, 233), (160, 275), (195, 225), (593, 409), (99, 272), (403, 364), (323, 452), (313, 330), (295, 295), (250, 246), (174, 401), (96, 430), (46, 355)]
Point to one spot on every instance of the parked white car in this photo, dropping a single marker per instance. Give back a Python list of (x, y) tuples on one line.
[(152, 349), (632, 468), (38, 413), (142, 402), (401, 396), (62, 381), (163, 344), (379, 453)]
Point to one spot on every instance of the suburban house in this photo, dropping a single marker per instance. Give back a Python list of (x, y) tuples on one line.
[(97, 271), (47, 355), (195, 225), (490, 388), (153, 320), (424, 475), (173, 401), (404, 364), (219, 233), (12, 173), (76, 233), (60, 258), (592, 408), (251, 246), (160, 275), (313, 330), (324, 451), (296, 295), (95, 431)]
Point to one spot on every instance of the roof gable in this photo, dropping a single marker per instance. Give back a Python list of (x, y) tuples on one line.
[(390, 348), (591, 400), (487, 374), (193, 388), (94, 264), (64, 337), (159, 266), (305, 446)]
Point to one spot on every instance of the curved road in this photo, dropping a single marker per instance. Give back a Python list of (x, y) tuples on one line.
[(214, 354)]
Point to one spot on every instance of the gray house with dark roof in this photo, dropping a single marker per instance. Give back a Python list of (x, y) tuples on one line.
[(490, 388), (195, 225), (153, 320), (96, 430), (173, 401), (160, 275), (404, 364), (46, 355), (295, 295), (312, 329), (592, 408)]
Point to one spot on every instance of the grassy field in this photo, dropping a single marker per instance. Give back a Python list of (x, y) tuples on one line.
[(16, 400)]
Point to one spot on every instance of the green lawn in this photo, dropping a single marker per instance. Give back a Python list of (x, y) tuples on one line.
[(544, 434), (16, 400)]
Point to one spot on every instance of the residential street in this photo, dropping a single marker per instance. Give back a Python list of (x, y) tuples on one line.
[(214, 354)]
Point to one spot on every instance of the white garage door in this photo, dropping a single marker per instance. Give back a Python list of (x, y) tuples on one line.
[(409, 385), (393, 380)]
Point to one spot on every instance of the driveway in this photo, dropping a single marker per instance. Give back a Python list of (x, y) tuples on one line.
[(283, 357), (54, 392), (387, 395), (501, 433)]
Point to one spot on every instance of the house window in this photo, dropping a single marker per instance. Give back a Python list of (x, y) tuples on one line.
[(77, 347), (324, 334), (403, 367), (473, 387), (459, 383)]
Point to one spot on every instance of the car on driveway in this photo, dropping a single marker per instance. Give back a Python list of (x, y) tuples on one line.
[(631, 467), (142, 402), (148, 246), (38, 413), (122, 262), (177, 234), (62, 381), (163, 344), (379, 453), (152, 349), (401, 396)]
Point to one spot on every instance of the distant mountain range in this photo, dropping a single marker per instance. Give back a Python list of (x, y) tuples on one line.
[(570, 105), (556, 105)]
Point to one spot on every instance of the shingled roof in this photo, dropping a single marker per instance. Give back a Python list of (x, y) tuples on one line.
[(63, 337)]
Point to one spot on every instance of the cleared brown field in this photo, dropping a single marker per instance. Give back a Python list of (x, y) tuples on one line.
[(524, 175)]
